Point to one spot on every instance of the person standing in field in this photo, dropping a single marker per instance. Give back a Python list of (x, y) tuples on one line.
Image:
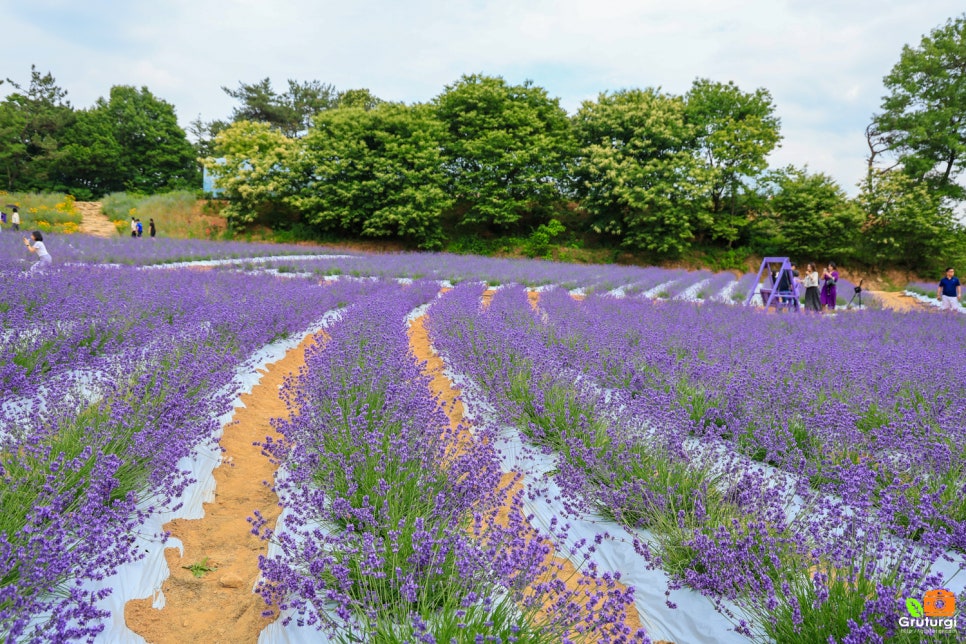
[(151, 229), (140, 228), (15, 218), (950, 291), (134, 227), (812, 300), (43, 257), (830, 276)]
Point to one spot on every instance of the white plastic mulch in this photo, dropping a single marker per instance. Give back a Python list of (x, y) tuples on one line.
[(143, 578)]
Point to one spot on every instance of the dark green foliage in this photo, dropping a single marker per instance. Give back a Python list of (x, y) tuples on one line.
[(735, 131), (636, 171), (505, 149), (373, 173), (922, 120), (290, 112), (32, 123), (809, 217)]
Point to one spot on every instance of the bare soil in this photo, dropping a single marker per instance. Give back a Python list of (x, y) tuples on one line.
[(220, 606), (900, 302), (449, 400), (94, 221)]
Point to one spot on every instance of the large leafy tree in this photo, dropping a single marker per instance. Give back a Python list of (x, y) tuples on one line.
[(735, 132), (251, 166), (908, 224), (636, 170), (923, 118), (144, 149), (32, 122), (506, 148), (374, 172), (809, 218), (90, 163), (290, 112)]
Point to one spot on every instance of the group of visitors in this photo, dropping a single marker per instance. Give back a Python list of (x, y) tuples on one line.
[(14, 218), (137, 229), (820, 291)]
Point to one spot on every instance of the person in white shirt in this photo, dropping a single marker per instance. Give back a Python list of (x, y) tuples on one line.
[(812, 301), (15, 218), (38, 246)]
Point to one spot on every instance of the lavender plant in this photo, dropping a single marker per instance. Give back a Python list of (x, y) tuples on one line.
[(396, 528), (109, 379), (751, 553)]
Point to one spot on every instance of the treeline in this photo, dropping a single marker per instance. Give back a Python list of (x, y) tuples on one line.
[(652, 173)]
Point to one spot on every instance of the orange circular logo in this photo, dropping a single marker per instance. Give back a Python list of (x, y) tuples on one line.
[(939, 603)]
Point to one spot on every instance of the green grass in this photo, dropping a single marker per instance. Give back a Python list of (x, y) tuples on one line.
[(44, 212), (176, 214)]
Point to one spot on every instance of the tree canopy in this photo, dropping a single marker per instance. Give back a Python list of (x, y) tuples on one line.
[(658, 175), (923, 117), (735, 131), (505, 148), (373, 172), (636, 172)]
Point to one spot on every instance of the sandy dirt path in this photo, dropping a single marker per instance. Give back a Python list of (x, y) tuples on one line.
[(219, 606), (900, 301), (449, 399), (94, 221)]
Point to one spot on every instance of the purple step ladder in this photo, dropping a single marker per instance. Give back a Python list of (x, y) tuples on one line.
[(780, 289)]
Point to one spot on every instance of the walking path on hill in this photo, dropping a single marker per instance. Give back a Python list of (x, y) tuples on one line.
[(94, 221)]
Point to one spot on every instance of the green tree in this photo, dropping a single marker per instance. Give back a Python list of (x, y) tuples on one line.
[(809, 218), (251, 167), (204, 133), (90, 163), (923, 118), (735, 132), (375, 173), (636, 170), (13, 151), (907, 224), (32, 122), (506, 149), (290, 112), (155, 152), (358, 98)]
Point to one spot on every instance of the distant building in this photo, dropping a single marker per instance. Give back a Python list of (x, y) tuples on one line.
[(208, 183)]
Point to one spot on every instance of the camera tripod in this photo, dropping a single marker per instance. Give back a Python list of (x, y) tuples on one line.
[(857, 294)]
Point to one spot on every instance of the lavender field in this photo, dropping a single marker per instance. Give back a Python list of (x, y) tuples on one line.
[(639, 457)]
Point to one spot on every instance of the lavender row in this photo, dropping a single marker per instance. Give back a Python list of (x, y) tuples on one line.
[(630, 280), (717, 525), (840, 423), (111, 377), (393, 528), (88, 249)]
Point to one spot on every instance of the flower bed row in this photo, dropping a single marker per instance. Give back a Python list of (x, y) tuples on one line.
[(109, 379), (788, 496), (395, 527), (88, 249)]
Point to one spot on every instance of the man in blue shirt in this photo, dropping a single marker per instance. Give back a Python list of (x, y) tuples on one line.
[(949, 291)]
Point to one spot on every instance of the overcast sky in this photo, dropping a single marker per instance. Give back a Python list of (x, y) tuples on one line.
[(822, 60)]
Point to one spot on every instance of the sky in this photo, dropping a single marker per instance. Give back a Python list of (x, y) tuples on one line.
[(823, 61)]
